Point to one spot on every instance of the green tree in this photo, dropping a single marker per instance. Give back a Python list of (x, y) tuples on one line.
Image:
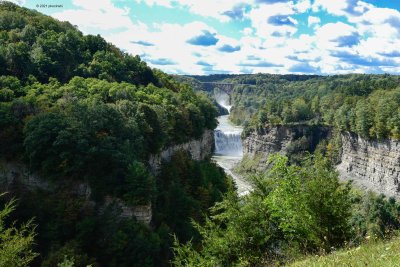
[(140, 185), (15, 242), (292, 210), (363, 118)]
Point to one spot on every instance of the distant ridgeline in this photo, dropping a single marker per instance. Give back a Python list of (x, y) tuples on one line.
[(77, 111), (365, 104)]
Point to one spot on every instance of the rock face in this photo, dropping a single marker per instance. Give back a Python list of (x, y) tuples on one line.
[(373, 165), (142, 213), (282, 139), (198, 150), (11, 173)]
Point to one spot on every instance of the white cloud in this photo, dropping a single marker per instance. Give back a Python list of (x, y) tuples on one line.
[(332, 35), (268, 45), (175, 49), (91, 18), (303, 6), (207, 8), (248, 31), (382, 22), (348, 8), (166, 3), (313, 21), (273, 20)]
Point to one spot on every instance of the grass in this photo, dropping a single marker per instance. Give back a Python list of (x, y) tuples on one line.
[(373, 254)]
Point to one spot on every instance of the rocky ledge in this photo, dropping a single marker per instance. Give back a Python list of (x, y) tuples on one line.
[(282, 139), (371, 164), (198, 149)]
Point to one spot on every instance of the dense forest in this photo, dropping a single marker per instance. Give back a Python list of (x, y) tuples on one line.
[(76, 111), (365, 104)]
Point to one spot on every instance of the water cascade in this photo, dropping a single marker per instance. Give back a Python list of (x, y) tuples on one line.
[(227, 139), (228, 144)]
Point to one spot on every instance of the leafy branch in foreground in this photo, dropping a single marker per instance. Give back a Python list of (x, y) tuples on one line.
[(15, 242)]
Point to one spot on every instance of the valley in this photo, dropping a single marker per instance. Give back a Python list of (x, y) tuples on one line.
[(119, 151)]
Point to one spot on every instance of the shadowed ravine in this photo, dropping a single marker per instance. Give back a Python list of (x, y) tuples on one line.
[(228, 146)]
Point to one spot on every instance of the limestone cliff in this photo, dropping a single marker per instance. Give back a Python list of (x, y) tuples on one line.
[(371, 164), (283, 140), (198, 150)]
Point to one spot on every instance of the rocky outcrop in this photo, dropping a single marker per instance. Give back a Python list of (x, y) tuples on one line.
[(371, 164), (283, 140), (142, 213), (198, 150), (12, 173)]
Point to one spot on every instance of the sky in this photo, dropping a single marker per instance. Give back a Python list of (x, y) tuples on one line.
[(236, 36)]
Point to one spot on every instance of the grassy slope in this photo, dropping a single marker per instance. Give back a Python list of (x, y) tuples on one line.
[(378, 254)]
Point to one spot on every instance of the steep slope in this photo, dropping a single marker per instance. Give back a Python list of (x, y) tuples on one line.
[(79, 122)]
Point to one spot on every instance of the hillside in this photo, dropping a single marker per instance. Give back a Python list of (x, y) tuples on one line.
[(79, 121)]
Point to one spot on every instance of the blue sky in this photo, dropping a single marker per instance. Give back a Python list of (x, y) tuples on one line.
[(237, 36)]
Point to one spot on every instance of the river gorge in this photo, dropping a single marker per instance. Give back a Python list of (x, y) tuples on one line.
[(228, 146)]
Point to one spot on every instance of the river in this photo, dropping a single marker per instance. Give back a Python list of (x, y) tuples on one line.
[(229, 150)]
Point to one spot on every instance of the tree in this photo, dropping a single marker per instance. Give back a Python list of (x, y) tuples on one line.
[(15, 242), (140, 185), (291, 210), (363, 118)]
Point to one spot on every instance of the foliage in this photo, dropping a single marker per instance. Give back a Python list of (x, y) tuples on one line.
[(140, 185), (190, 188), (80, 113), (34, 44), (278, 220), (16, 243), (365, 104), (375, 216)]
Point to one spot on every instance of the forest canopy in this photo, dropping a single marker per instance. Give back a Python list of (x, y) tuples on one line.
[(77, 111), (366, 104)]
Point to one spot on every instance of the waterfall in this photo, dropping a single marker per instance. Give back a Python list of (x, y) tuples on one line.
[(227, 136), (222, 99), (228, 144)]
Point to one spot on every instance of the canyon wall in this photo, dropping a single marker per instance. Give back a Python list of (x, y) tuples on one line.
[(282, 139), (198, 149), (371, 164)]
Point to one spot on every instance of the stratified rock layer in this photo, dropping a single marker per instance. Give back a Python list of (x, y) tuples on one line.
[(198, 150), (373, 165), (282, 139)]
